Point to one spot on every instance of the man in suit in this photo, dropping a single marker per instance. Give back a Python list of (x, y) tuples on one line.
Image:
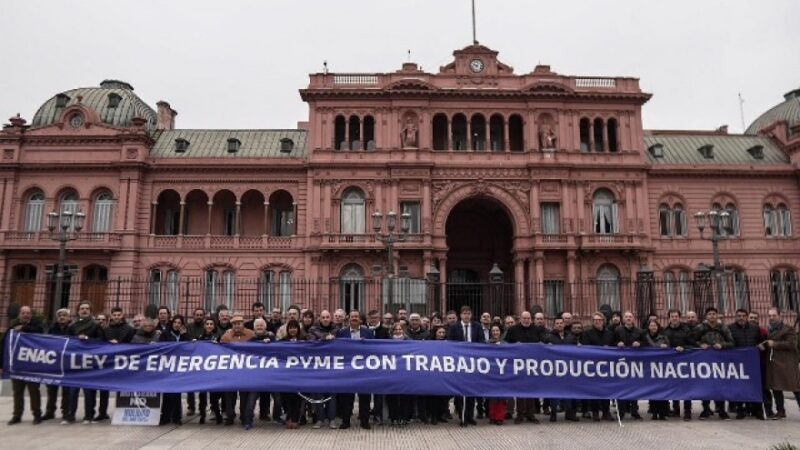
[(356, 330), (465, 331)]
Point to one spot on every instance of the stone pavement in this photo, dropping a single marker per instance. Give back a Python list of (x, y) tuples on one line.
[(711, 434)]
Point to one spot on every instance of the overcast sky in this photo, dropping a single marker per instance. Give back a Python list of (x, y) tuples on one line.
[(239, 64)]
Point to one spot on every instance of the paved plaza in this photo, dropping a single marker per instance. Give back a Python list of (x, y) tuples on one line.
[(712, 434)]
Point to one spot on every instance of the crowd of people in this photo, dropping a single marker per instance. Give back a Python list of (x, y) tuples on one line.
[(777, 343)]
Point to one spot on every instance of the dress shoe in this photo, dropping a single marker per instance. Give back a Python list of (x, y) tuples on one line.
[(462, 424), (533, 419), (595, 416), (14, 421), (366, 425), (724, 416), (519, 420), (345, 425), (202, 419), (37, 420), (636, 416), (471, 422), (608, 417), (48, 416), (780, 415)]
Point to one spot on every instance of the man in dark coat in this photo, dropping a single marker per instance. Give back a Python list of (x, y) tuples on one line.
[(345, 402), (24, 323), (85, 327), (782, 363), (59, 328), (680, 337), (745, 334), (465, 331), (712, 333), (598, 334), (628, 335), (526, 332)]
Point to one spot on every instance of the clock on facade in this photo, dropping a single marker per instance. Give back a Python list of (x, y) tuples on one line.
[(476, 65), (76, 120)]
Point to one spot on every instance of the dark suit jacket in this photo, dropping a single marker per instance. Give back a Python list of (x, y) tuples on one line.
[(456, 332), (344, 333), (381, 332)]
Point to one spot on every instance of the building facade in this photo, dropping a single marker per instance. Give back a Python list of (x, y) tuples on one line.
[(550, 181)]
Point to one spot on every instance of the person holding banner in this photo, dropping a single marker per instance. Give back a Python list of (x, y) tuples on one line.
[(745, 334), (85, 327), (400, 405), (559, 336), (237, 333), (680, 337), (465, 331), (496, 407), (59, 328), (24, 323), (291, 401), (600, 336), (628, 335), (526, 332), (209, 334), (655, 337), (712, 333), (171, 409), (346, 401), (782, 361), (438, 405)]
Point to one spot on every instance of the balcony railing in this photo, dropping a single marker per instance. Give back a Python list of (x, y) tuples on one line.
[(41, 239), (610, 241), (201, 242)]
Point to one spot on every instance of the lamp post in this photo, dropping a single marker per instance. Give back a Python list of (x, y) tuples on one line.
[(389, 239), (718, 221), (61, 226)]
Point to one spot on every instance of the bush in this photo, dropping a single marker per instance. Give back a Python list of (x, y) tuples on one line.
[(783, 446)]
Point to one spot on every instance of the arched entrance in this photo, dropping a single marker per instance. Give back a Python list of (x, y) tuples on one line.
[(480, 234)]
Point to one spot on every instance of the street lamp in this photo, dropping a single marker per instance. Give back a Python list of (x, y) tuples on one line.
[(389, 239), (719, 222), (61, 226)]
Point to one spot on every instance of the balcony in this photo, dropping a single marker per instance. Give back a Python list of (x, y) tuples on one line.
[(554, 241), (340, 241), (31, 240), (610, 242), (216, 242)]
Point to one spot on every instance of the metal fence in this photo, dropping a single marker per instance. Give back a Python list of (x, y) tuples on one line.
[(182, 295)]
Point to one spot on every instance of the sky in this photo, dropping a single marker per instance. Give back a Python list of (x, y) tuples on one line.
[(239, 64)]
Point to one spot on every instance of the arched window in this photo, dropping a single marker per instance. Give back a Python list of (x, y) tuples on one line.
[(676, 289), (585, 130), (103, 213), (440, 137), (34, 210), (770, 221), (340, 133), (665, 220), (605, 212), (69, 203), (733, 230), (220, 288), (478, 127), (354, 133), (783, 220), (611, 131), (608, 286), (785, 289), (496, 133), (352, 288), (353, 213), (516, 132), (154, 287), (599, 142), (681, 225), (459, 132)]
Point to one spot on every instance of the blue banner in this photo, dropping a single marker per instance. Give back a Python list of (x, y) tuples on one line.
[(389, 367)]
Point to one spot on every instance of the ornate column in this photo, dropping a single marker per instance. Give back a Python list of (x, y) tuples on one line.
[(571, 280), (566, 207), (506, 135), (538, 276), (426, 207), (294, 219), (238, 219), (443, 284), (210, 207), (591, 135), (535, 209), (327, 207), (519, 283), (449, 134), (487, 138), (469, 135), (180, 218), (629, 207), (361, 134)]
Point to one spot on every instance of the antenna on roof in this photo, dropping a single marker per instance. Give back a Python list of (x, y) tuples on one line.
[(325, 67), (409, 55), (741, 110), (474, 33)]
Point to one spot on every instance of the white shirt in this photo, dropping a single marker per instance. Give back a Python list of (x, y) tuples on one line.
[(355, 334)]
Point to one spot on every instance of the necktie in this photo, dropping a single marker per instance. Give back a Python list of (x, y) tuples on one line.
[(466, 334)]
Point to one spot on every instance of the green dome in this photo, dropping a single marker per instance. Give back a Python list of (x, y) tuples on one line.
[(788, 110), (102, 100)]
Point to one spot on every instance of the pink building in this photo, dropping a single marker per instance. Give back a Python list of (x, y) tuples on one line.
[(549, 177)]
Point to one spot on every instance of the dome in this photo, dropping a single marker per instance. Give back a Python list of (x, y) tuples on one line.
[(789, 111), (114, 102)]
